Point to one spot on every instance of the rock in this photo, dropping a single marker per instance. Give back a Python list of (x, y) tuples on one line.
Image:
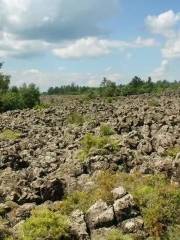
[(78, 226), (132, 225), (124, 208), (118, 193), (99, 215)]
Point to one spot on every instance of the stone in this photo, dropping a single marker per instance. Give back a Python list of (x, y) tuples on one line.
[(100, 215), (118, 193), (132, 225), (78, 226)]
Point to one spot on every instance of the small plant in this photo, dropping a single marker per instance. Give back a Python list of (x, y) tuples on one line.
[(153, 102), (9, 135), (172, 152), (106, 130), (41, 106), (45, 224), (117, 235), (173, 233), (76, 118), (91, 143)]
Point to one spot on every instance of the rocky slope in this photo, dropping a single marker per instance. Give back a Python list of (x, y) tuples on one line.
[(41, 164)]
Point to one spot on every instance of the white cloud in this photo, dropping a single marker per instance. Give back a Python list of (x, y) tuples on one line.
[(95, 47), (161, 72), (10, 45), (55, 19), (172, 48), (164, 23)]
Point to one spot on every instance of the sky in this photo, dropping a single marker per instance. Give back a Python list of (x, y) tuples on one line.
[(57, 42)]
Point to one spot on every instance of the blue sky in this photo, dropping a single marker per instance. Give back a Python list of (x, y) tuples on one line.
[(55, 42)]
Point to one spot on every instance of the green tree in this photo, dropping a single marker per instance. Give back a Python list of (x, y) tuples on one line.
[(4, 81)]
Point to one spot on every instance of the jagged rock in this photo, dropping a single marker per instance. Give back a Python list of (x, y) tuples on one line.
[(78, 226), (100, 215), (20, 213), (132, 225), (118, 193), (125, 208)]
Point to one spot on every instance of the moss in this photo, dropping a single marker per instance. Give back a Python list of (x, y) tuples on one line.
[(9, 135), (45, 224)]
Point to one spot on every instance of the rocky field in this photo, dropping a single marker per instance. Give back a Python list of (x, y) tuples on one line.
[(100, 167)]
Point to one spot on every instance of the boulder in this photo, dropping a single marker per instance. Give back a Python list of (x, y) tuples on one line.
[(100, 215)]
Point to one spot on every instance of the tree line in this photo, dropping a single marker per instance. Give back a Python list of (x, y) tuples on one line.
[(109, 88), (28, 96)]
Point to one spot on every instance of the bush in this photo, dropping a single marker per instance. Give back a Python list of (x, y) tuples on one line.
[(30, 95), (91, 143), (174, 233), (45, 225), (76, 118), (106, 130), (41, 106), (172, 152), (9, 135), (159, 201), (24, 97)]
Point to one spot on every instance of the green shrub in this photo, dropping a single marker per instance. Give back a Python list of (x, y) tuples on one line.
[(45, 225), (9, 135), (91, 143), (173, 151), (173, 233), (153, 103), (76, 118), (106, 130), (159, 201), (76, 200), (41, 106), (82, 200), (117, 235)]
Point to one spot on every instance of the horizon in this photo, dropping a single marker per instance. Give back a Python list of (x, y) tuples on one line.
[(55, 43)]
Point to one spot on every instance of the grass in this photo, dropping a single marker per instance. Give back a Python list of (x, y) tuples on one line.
[(153, 102), (117, 235), (9, 135), (91, 143), (45, 224), (41, 106), (158, 200), (172, 152), (106, 130), (76, 119)]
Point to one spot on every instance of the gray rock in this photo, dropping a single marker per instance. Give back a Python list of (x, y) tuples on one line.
[(100, 215)]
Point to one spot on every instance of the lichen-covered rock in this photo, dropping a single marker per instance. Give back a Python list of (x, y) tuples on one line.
[(100, 215), (78, 227)]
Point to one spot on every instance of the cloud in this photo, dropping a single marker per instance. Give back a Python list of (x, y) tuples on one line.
[(164, 23), (10, 45), (95, 47), (55, 20), (160, 73), (171, 50)]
